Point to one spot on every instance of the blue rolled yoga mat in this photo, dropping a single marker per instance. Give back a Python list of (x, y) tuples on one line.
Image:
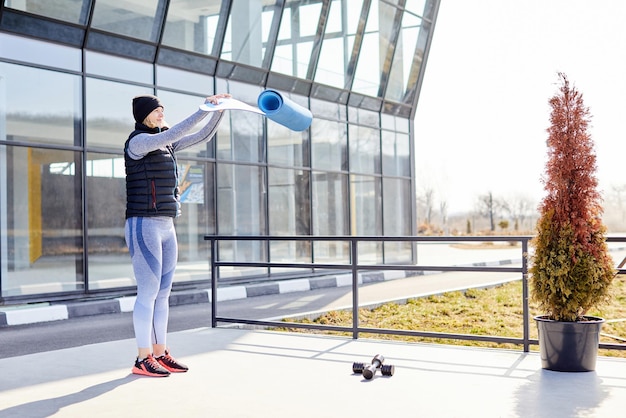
[(284, 111)]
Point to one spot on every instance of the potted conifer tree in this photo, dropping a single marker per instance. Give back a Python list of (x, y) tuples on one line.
[(571, 270)]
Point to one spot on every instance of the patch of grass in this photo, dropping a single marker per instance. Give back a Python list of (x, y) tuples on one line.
[(496, 311)]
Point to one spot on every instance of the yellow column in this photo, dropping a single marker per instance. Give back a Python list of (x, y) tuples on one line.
[(34, 207)]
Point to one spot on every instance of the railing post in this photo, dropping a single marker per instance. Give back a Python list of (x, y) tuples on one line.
[(213, 284), (525, 309), (355, 287)]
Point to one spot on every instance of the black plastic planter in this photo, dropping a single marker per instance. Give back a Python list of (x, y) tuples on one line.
[(569, 346)]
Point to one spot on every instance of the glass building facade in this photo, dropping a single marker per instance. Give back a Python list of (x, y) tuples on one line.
[(68, 72)]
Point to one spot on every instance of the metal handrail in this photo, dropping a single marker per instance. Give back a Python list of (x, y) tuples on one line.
[(354, 267)]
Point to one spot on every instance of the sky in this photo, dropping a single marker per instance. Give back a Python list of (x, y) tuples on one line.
[(483, 110)]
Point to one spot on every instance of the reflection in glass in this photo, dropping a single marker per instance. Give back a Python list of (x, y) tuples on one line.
[(330, 214), (363, 116), (140, 19), (109, 112), (286, 147), (364, 150), (374, 49), (404, 54), (117, 67), (289, 213), (396, 154), (184, 80), (191, 25), (295, 39), (41, 244), (329, 145), (397, 219), (328, 110), (366, 214), (35, 52), (73, 11), (51, 118), (332, 66), (418, 43), (197, 219), (289, 202), (241, 197), (248, 30), (109, 262)]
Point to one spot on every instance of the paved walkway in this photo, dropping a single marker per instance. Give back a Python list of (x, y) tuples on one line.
[(241, 373)]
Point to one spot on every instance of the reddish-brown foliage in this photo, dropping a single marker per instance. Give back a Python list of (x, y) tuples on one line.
[(570, 181), (571, 269)]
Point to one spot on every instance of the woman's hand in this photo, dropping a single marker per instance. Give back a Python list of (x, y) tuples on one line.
[(215, 99)]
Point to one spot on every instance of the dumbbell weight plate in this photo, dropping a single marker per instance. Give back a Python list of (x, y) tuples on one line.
[(387, 369), (357, 367)]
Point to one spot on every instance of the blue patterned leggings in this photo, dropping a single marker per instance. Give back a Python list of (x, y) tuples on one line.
[(153, 252)]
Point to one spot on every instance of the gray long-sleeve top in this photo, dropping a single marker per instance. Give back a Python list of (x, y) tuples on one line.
[(144, 143)]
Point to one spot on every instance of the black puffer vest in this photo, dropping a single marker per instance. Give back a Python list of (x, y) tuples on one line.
[(151, 182)]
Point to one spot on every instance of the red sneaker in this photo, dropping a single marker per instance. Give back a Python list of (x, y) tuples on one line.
[(149, 367), (170, 364)]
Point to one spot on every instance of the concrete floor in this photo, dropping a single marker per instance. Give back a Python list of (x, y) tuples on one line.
[(243, 373)]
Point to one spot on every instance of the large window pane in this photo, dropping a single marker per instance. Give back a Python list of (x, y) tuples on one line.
[(191, 25), (73, 11), (241, 199), (418, 45), (289, 213), (109, 113), (295, 38), (396, 154), (374, 48), (18, 48), (366, 215), (328, 110), (248, 30), (330, 214), (41, 244), (242, 210), (40, 106), (332, 66), (134, 18), (289, 202), (403, 58), (197, 219), (109, 261), (329, 145), (173, 78), (397, 219), (364, 150), (117, 67), (286, 147)]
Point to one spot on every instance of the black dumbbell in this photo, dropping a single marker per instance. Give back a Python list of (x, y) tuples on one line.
[(368, 371)]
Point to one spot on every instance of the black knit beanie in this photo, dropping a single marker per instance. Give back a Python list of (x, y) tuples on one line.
[(144, 105)]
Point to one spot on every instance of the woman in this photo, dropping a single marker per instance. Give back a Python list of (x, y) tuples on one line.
[(152, 203)]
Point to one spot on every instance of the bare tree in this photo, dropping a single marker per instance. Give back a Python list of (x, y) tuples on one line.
[(520, 208), (490, 207), (443, 212), (426, 199)]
